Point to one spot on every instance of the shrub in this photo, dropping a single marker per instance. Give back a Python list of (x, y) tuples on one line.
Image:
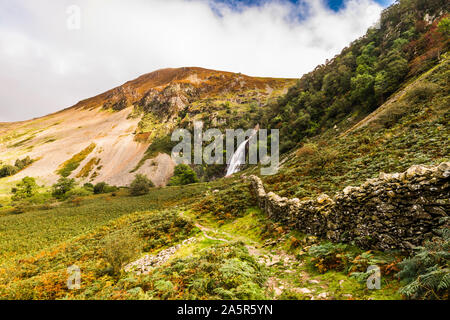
[(161, 229), (307, 149), (103, 187), (444, 26), (323, 157), (8, 170), (99, 187), (222, 271), (231, 203), (329, 256), (140, 185), (162, 144), (62, 186), (422, 92), (427, 273), (88, 186), (76, 201), (26, 188), (391, 116), (19, 208), (120, 248), (40, 198), (183, 175), (78, 192)]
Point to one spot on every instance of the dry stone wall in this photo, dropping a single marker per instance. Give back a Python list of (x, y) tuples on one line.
[(393, 211)]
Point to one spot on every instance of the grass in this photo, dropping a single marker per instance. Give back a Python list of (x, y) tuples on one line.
[(86, 170), (70, 165), (22, 142), (6, 184), (35, 230), (43, 275), (39, 246), (50, 140)]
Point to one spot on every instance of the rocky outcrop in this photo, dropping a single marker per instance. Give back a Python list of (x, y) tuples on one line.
[(119, 98), (147, 262), (167, 103), (393, 211)]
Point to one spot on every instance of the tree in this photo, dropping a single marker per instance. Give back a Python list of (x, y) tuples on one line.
[(99, 187), (183, 175), (120, 248), (140, 185), (362, 88), (88, 186), (26, 188), (62, 186), (393, 70), (444, 26)]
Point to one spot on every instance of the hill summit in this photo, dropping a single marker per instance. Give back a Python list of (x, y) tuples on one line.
[(107, 137)]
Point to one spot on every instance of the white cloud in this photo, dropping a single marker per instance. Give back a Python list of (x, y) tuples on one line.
[(46, 67)]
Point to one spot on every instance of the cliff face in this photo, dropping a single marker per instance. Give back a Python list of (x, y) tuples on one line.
[(393, 211)]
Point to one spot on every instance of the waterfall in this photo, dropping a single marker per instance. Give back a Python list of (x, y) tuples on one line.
[(238, 157)]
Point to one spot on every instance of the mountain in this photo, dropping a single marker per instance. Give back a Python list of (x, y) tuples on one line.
[(105, 138)]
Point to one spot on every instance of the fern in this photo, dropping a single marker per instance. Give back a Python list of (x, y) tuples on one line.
[(427, 274)]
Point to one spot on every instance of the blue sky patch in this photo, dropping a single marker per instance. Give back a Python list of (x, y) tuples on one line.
[(333, 4)]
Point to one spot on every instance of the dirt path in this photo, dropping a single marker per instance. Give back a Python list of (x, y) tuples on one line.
[(206, 229), (284, 268), (286, 272)]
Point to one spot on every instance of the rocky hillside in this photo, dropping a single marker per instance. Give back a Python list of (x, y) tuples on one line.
[(105, 138)]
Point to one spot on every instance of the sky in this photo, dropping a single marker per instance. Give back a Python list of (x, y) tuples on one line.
[(56, 53)]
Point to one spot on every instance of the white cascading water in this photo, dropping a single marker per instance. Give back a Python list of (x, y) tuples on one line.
[(238, 157)]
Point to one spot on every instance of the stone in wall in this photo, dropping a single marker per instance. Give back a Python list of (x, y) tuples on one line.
[(393, 211)]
